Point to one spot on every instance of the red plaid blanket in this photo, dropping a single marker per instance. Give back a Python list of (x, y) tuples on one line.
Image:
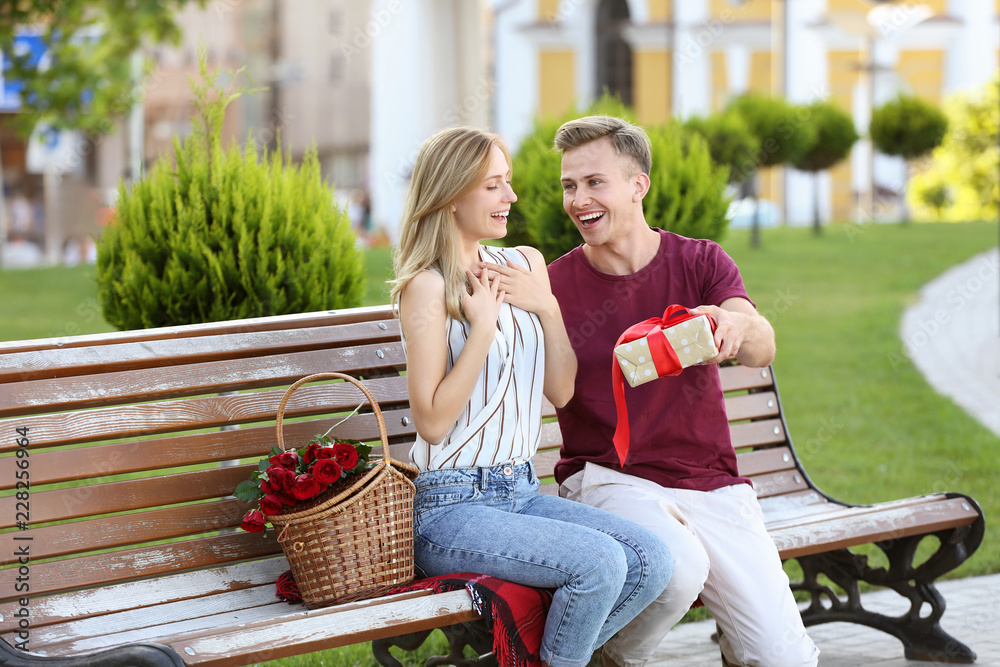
[(515, 614)]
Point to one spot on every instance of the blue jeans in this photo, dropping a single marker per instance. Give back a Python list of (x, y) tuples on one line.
[(493, 521)]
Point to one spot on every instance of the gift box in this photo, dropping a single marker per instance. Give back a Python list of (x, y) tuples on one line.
[(648, 358), (658, 347)]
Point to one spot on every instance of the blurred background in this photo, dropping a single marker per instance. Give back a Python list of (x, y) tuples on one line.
[(366, 81)]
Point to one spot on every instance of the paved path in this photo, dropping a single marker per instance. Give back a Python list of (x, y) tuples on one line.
[(953, 336), (973, 617)]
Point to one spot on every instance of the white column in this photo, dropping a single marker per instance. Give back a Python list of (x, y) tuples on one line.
[(691, 71), (515, 66), (402, 85), (971, 57)]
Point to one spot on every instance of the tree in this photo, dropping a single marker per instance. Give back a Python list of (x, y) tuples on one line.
[(687, 191), (907, 127), (961, 183), (784, 134), (87, 76), (835, 135), (729, 140), (224, 235)]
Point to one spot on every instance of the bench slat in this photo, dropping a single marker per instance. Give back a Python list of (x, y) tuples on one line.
[(272, 323), (123, 496), (778, 483), (134, 528), (755, 434), (33, 396), (751, 406), (270, 641), (73, 361), (848, 531), (119, 566), (742, 378), (757, 462), (100, 461), (127, 597), (185, 414)]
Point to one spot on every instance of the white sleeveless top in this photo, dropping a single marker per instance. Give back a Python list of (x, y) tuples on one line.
[(502, 421)]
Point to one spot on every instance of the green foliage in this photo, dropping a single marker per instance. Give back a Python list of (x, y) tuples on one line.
[(687, 192), (224, 235), (962, 182), (88, 79), (783, 130), (834, 137), (908, 127), (729, 140)]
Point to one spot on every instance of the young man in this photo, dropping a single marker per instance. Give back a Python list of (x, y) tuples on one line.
[(680, 478)]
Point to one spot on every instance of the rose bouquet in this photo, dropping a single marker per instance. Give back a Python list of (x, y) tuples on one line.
[(293, 478)]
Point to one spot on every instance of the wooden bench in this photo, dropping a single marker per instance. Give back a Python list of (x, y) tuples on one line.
[(126, 544)]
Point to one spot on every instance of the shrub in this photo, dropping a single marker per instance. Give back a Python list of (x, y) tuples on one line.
[(908, 127), (729, 140), (224, 234), (686, 195), (782, 130)]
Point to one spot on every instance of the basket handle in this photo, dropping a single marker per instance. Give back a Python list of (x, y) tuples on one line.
[(325, 376)]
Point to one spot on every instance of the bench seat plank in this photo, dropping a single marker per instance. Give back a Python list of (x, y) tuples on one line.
[(324, 628), (865, 525), (97, 602)]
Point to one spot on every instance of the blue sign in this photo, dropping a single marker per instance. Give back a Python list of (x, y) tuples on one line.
[(10, 91)]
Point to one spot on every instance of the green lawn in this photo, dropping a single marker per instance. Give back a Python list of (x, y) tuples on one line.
[(866, 425)]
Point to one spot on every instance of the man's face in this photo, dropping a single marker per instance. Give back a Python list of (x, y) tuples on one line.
[(597, 194)]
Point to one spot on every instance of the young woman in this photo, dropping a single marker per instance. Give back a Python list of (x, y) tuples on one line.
[(484, 340)]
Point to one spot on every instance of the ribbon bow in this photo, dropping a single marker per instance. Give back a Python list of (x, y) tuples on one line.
[(664, 358)]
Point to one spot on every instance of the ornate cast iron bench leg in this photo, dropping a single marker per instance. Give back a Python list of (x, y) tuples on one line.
[(472, 634), (922, 635)]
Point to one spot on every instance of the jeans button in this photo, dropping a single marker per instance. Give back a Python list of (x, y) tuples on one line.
[(507, 470)]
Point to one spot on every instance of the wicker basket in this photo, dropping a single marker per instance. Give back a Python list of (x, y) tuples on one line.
[(358, 543)]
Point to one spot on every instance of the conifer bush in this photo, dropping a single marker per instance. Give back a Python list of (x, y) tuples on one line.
[(687, 194), (224, 233)]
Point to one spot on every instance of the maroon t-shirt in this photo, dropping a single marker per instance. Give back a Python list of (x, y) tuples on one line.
[(679, 432)]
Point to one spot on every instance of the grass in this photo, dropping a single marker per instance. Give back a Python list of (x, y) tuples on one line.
[(866, 425)]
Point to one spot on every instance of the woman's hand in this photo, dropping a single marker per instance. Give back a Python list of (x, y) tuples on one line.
[(527, 289), (482, 307)]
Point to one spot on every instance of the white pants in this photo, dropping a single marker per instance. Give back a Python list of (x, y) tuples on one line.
[(721, 552)]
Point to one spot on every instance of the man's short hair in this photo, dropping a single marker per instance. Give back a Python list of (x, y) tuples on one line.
[(628, 140)]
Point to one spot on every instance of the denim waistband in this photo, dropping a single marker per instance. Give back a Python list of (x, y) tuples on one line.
[(482, 476)]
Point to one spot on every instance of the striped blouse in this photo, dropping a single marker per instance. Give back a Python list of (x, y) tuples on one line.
[(502, 420)]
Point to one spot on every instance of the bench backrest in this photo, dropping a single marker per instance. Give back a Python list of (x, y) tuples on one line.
[(131, 451)]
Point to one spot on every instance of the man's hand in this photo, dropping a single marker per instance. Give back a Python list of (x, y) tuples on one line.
[(740, 333)]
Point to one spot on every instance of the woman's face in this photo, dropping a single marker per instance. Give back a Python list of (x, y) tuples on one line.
[(482, 214)]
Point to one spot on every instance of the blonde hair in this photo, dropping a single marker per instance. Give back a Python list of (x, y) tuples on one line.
[(629, 141), (450, 165)]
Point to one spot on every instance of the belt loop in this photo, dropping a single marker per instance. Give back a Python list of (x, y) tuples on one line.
[(484, 479)]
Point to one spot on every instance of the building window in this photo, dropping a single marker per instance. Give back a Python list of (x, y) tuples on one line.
[(614, 55)]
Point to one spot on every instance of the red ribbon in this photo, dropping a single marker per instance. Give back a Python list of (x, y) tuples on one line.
[(664, 359)]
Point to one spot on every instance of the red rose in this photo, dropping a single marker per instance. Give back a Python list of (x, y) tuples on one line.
[(281, 479), (326, 471), (310, 454), (306, 487), (287, 589), (324, 453), (286, 498), (270, 504), (253, 522), (346, 455), (287, 460)]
